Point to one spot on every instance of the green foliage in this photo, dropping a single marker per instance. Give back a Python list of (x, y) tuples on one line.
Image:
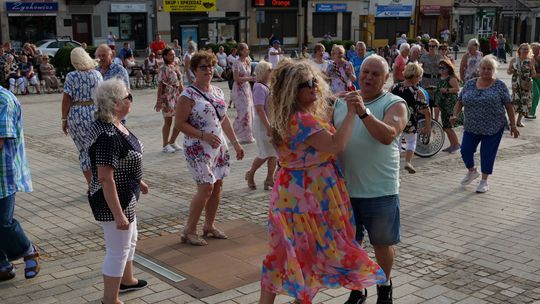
[(329, 43), (227, 46), (424, 41), (62, 59)]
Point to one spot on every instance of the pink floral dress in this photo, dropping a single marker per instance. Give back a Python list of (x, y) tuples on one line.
[(243, 102), (170, 76), (310, 224), (206, 164)]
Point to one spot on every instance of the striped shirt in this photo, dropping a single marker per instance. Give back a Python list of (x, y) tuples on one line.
[(14, 170)]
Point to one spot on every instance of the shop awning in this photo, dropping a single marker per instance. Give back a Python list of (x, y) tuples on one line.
[(82, 2)]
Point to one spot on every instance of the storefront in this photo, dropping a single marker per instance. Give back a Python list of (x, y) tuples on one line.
[(392, 19), (276, 17), (435, 17), (31, 21), (128, 21), (331, 19)]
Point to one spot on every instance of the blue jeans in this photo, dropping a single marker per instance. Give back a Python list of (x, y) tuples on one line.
[(488, 149), (13, 241)]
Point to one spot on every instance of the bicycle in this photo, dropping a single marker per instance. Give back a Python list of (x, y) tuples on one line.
[(427, 146)]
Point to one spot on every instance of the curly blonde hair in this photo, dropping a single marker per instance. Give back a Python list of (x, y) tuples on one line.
[(284, 95)]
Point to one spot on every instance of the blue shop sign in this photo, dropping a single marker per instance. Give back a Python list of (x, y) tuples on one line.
[(394, 11), (330, 8), (31, 7)]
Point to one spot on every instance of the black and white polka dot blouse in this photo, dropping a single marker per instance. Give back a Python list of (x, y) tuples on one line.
[(108, 146)]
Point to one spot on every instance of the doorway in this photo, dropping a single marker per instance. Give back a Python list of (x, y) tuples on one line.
[(82, 28)]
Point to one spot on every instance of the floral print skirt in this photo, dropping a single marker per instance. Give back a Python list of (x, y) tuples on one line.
[(312, 236)]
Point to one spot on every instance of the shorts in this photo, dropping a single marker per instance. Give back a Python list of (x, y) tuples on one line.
[(379, 216)]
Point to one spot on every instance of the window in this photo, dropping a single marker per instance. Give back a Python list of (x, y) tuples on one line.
[(346, 35), (112, 20), (389, 28), (53, 45), (324, 23), (280, 23)]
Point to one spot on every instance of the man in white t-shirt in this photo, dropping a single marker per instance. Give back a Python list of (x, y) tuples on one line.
[(275, 54)]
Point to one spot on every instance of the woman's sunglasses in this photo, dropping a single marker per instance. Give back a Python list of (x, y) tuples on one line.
[(129, 97), (443, 68), (308, 84)]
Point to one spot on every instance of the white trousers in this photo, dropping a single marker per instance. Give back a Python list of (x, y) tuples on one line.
[(119, 248), (410, 139)]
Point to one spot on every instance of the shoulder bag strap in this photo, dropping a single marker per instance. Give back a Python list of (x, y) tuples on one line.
[(207, 99)]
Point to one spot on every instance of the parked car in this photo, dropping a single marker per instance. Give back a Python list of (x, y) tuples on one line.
[(49, 47)]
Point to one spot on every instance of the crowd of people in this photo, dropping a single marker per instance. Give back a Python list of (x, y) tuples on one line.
[(313, 120)]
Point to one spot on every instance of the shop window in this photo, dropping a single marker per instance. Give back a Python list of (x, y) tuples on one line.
[(280, 23), (112, 20), (324, 23), (389, 28)]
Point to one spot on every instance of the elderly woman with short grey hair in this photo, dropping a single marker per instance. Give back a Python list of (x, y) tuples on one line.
[(78, 105), (116, 165), (470, 63)]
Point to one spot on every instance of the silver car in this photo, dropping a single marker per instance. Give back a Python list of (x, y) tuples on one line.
[(49, 47)]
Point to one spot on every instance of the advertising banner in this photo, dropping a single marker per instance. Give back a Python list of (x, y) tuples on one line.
[(394, 8), (177, 6)]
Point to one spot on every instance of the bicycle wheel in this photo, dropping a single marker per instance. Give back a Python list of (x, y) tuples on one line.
[(428, 148)]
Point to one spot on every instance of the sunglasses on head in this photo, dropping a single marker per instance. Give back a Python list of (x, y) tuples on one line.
[(129, 97), (308, 84)]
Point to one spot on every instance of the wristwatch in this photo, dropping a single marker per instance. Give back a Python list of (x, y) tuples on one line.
[(366, 114)]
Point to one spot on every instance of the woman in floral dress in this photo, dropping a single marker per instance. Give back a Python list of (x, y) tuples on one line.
[(310, 224), (242, 96), (446, 98), (470, 63), (522, 71), (169, 89), (78, 104), (201, 114)]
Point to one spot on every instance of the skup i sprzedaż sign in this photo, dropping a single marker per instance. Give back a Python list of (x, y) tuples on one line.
[(394, 8), (32, 7), (330, 8), (177, 6)]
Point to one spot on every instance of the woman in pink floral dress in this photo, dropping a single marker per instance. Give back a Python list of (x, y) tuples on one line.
[(169, 88), (201, 115), (311, 230), (242, 97)]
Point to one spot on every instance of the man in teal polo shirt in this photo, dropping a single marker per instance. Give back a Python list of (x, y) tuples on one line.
[(370, 164)]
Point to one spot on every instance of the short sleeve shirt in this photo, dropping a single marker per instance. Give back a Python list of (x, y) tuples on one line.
[(115, 71), (274, 59), (81, 85), (260, 96), (399, 64), (484, 109), (14, 169), (110, 147)]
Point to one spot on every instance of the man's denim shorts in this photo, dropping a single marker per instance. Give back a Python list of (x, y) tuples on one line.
[(380, 217)]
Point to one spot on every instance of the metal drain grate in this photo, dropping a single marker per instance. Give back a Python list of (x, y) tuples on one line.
[(173, 276)]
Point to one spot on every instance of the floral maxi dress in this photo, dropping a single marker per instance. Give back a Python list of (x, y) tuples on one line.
[(242, 97), (207, 164), (522, 86), (310, 224)]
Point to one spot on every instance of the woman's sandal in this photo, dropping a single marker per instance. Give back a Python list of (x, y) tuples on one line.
[(249, 177), (192, 239), (32, 272), (268, 183), (214, 233)]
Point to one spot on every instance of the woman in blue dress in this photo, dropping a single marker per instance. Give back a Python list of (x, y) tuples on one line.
[(78, 104)]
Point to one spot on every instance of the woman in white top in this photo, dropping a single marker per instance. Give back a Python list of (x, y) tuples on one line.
[(192, 48), (222, 57), (150, 67), (470, 63), (318, 57), (233, 56), (261, 128)]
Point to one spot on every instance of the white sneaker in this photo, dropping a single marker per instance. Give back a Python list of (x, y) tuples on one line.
[(177, 147), (471, 175), (168, 149), (482, 186)]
